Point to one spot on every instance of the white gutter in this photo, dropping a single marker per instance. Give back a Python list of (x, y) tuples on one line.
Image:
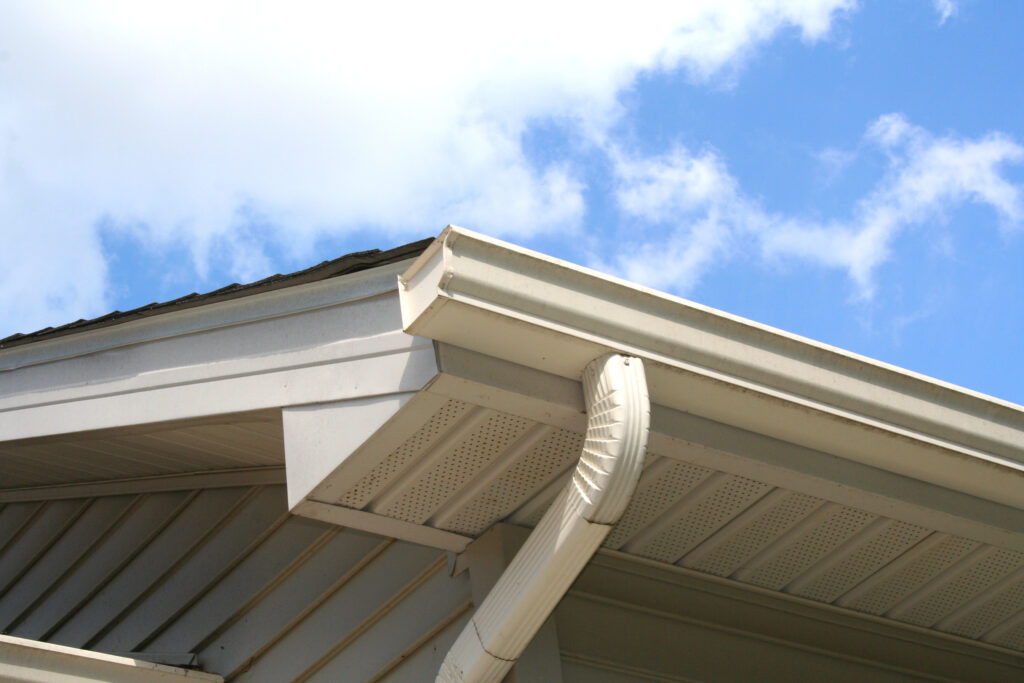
[(571, 531), (483, 295)]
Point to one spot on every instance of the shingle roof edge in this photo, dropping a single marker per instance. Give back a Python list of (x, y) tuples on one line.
[(344, 265)]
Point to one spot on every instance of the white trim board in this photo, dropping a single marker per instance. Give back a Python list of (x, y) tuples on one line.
[(383, 526), (264, 306), (31, 661), (327, 341)]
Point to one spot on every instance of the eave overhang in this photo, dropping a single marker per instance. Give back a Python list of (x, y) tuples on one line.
[(489, 297), (149, 402), (311, 343), (776, 463)]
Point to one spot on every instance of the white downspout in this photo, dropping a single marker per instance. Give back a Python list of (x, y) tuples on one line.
[(618, 418)]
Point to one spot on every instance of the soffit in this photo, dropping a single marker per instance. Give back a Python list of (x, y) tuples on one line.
[(452, 465), (229, 442)]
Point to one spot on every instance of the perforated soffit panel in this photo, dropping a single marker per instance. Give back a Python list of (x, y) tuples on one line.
[(468, 467)]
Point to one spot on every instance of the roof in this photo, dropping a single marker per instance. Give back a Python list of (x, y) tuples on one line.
[(344, 265)]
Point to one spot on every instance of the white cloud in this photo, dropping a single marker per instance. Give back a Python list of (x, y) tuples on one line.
[(691, 198), (711, 218), (834, 162), (927, 178), (171, 120), (945, 8)]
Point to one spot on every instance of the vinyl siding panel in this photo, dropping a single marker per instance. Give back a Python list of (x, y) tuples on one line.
[(625, 620), (636, 644), (425, 657), (575, 671), (227, 579)]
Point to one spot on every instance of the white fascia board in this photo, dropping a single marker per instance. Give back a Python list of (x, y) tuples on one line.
[(332, 340), (481, 294), (31, 661), (285, 301)]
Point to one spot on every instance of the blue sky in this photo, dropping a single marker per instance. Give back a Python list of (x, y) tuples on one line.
[(852, 172)]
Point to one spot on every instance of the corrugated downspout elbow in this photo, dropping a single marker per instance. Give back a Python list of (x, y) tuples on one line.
[(618, 421)]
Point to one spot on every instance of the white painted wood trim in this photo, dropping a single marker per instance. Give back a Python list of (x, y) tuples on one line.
[(313, 296), (328, 341), (386, 371), (31, 661), (383, 526)]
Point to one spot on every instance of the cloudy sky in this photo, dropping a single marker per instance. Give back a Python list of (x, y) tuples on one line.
[(852, 172)]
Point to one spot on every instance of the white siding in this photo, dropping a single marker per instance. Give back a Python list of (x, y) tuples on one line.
[(228, 578), (628, 621)]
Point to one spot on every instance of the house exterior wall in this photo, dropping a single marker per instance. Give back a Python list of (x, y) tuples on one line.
[(227, 579)]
